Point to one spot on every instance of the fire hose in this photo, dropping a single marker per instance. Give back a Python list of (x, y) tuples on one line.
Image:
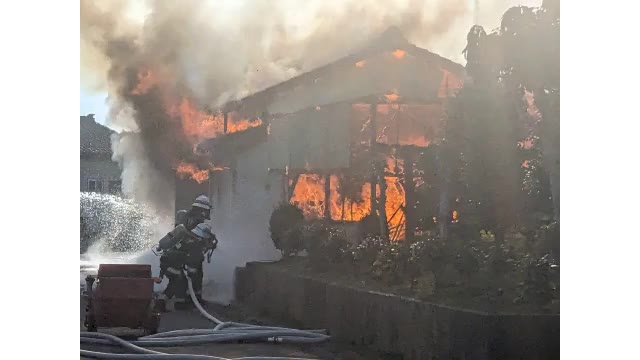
[(222, 332)]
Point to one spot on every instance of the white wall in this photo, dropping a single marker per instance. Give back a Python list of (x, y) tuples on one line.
[(241, 221)]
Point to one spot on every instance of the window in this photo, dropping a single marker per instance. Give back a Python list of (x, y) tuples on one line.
[(94, 185), (115, 186)]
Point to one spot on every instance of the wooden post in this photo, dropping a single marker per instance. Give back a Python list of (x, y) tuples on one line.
[(377, 207), (343, 197), (372, 149), (443, 174), (382, 209), (285, 186), (265, 117), (292, 188), (226, 119), (409, 198), (327, 196), (234, 176)]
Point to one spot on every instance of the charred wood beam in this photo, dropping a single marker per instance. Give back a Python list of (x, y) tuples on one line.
[(327, 197), (234, 177), (377, 207), (296, 177), (266, 118), (443, 208), (315, 171), (384, 225), (226, 119), (372, 117), (409, 198)]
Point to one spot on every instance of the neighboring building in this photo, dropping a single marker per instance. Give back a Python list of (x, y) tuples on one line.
[(98, 173)]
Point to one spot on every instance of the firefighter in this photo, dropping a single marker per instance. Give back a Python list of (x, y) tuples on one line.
[(180, 251), (196, 252), (199, 213)]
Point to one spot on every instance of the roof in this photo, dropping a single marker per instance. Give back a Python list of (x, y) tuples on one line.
[(95, 139), (391, 39), (233, 142), (278, 100)]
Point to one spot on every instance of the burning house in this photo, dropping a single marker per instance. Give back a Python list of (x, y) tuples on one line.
[(338, 141)]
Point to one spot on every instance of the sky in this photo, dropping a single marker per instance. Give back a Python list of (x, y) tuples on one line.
[(92, 102)]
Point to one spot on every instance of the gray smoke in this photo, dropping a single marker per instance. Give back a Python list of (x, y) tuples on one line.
[(211, 52)]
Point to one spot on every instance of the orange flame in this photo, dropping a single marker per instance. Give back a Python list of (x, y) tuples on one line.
[(196, 124), (186, 170), (361, 63), (219, 168), (241, 124), (310, 197), (399, 54), (146, 81), (417, 140), (393, 97), (200, 125), (532, 109), (526, 143)]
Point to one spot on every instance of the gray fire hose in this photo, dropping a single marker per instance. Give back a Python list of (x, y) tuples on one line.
[(222, 332)]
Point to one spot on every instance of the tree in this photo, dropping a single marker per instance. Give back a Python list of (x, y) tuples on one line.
[(512, 99)]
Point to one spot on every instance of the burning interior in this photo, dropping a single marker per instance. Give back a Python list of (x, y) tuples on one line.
[(340, 141)]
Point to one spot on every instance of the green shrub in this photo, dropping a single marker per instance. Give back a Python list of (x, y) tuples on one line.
[(285, 227), (391, 264), (325, 244), (365, 253), (541, 281)]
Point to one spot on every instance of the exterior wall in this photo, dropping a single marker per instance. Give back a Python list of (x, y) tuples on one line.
[(244, 209), (240, 220), (103, 169), (187, 190), (315, 138)]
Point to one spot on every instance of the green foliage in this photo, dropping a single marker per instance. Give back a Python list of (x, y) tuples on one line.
[(366, 252), (487, 236), (541, 283), (427, 192), (392, 262), (285, 227), (472, 268), (427, 255), (325, 244), (495, 184)]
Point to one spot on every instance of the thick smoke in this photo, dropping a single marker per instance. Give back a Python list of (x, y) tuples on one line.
[(210, 52)]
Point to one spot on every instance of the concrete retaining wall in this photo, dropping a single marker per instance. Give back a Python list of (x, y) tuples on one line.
[(392, 324)]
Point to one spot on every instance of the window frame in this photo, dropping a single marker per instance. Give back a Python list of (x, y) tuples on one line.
[(98, 187)]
